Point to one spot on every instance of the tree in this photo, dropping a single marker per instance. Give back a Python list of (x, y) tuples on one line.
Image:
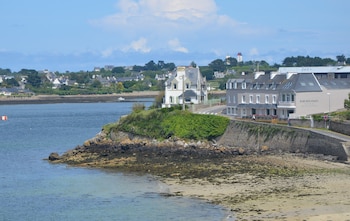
[(170, 66), (137, 68), (230, 61), (33, 77), (151, 66), (217, 65), (301, 61), (341, 59), (96, 84), (5, 71), (120, 86), (347, 103), (193, 64), (118, 70), (11, 82), (208, 73)]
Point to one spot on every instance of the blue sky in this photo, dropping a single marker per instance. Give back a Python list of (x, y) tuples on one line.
[(62, 35)]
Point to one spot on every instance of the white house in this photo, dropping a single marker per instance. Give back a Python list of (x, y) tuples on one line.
[(185, 86)]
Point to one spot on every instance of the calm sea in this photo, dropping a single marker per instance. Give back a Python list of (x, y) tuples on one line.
[(33, 189)]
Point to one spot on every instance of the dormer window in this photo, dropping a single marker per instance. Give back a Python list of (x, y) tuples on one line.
[(244, 85)]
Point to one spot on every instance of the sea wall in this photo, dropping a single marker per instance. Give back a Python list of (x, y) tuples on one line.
[(260, 137)]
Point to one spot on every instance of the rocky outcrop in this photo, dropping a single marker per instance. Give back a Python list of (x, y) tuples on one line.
[(119, 148)]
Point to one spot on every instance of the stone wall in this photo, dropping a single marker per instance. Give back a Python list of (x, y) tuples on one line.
[(340, 127), (254, 136), (307, 123)]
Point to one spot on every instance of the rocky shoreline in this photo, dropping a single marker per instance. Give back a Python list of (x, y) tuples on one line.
[(254, 186)]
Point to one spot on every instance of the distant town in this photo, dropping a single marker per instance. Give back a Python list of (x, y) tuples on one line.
[(152, 76)]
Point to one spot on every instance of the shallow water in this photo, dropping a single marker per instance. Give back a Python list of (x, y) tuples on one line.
[(33, 189)]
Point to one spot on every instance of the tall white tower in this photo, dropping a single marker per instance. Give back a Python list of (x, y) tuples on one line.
[(239, 57)]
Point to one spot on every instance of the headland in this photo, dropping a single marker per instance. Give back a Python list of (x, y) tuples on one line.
[(254, 185)]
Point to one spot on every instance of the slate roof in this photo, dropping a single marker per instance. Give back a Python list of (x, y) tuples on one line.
[(301, 83), (189, 93), (323, 69), (342, 83)]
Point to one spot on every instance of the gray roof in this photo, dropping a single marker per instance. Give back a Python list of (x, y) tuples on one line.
[(189, 93), (339, 83), (192, 74), (323, 69), (301, 83)]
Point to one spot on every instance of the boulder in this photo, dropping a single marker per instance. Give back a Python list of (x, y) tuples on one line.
[(54, 156)]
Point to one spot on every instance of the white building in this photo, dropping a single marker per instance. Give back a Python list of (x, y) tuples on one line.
[(185, 86), (289, 93), (239, 57)]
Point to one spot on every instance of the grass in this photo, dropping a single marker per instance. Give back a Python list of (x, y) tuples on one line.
[(171, 122)]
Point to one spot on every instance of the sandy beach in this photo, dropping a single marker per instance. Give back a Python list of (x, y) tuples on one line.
[(323, 194)]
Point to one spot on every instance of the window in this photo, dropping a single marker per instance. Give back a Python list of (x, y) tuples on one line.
[(171, 99), (266, 99), (293, 98), (229, 99), (283, 97), (174, 86), (258, 99), (244, 85), (274, 99), (234, 99), (288, 97), (187, 86), (243, 98), (235, 85), (250, 98)]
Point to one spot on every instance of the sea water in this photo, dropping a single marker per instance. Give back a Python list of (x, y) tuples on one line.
[(33, 189)]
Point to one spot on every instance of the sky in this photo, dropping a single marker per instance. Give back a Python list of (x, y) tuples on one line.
[(74, 35)]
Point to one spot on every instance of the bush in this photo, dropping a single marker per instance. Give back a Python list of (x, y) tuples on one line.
[(137, 107), (167, 122)]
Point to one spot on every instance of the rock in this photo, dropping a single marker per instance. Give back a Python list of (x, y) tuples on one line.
[(54, 156)]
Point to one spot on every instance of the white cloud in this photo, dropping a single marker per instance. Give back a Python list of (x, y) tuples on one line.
[(196, 21), (175, 45), (140, 46)]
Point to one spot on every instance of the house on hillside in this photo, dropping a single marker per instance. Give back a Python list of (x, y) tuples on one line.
[(288, 93), (185, 85)]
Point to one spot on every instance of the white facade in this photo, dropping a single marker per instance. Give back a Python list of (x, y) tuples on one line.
[(185, 86)]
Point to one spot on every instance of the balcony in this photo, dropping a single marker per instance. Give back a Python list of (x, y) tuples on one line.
[(286, 104)]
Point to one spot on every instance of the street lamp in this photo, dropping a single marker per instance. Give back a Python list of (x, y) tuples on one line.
[(329, 102), (183, 92)]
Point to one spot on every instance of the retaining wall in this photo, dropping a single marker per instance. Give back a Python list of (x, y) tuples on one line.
[(343, 127), (253, 136)]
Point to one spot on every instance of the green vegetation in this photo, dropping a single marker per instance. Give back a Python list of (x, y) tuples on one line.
[(171, 122), (140, 78)]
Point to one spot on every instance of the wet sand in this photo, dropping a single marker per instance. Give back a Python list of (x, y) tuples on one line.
[(323, 194)]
